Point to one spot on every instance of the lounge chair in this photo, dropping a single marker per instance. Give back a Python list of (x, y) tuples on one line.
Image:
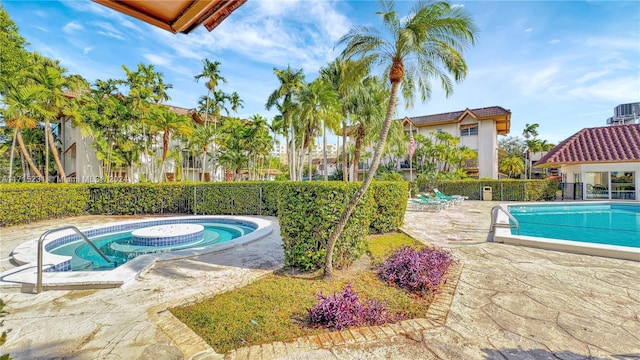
[(432, 199), (420, 204), (457, 199)]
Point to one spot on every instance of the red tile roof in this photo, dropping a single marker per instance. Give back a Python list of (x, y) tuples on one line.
[(455, 116), (619, 143)]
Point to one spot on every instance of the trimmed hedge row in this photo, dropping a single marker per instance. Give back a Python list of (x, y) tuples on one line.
[(503, 190), (307, 211), (23, 203)]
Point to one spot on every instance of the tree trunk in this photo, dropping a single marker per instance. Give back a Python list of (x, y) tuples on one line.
[(56, 158), (26, 155), (12, 153), (377, 155), (310, 162), (356, 153), (324, 151), (345, 175)]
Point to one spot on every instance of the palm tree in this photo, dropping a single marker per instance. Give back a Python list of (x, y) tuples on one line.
[(168, 123), (211, 73), (318, 101), (345, 76), (530, 132), (51, 77), (23, 104), (512, 165), (427, 43), (368, 105), (284, 98)]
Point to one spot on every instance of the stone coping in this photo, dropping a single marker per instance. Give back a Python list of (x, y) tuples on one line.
[(194, 347)]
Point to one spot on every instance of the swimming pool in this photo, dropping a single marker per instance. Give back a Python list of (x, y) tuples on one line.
[(600, 228), (123, 246), (69, 263)]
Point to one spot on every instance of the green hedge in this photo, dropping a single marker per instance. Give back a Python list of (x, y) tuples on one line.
[(391, 199), (503, 190), (22, 203), (142, 198), (308, 213)]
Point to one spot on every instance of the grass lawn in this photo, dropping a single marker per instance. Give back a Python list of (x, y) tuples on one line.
[(274, 308)]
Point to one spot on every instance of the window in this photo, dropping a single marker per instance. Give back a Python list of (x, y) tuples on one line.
[(623, 185), (439, 130), (597, 184), (469, 130)]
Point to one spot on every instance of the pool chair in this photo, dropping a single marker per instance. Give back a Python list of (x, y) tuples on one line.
[(433, 199), (456, 199), (421, 205)]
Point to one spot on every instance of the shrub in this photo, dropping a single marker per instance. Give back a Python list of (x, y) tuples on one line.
[(417, 271), (309, 211), (503, 190), (391, 202), (345, 309)]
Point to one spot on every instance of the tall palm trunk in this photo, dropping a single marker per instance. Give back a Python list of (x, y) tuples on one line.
[(324, 151), (52, 146), (310, 162), (345, 175), (27, 157), (356, 153), (377, 155), (11, 155)]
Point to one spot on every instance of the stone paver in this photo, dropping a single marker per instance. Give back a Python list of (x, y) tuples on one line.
[(509, 303)]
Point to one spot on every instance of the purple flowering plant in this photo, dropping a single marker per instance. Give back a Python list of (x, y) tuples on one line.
[(418, 271)]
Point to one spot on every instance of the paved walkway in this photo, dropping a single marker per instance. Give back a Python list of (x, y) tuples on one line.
[(510, 303)]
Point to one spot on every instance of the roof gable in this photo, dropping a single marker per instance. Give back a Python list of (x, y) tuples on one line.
[(498, 113), (619, 143)]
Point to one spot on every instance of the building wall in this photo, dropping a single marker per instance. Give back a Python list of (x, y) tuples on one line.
[(569, 172), (485, 143)]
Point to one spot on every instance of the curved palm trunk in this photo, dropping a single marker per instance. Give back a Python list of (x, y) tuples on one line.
[(310, 162), (11, 155), (56, 158), (377, 155), (165, 152), (27, 157), (356, 153)]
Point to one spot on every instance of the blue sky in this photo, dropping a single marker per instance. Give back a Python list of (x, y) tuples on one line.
[(562, 64)]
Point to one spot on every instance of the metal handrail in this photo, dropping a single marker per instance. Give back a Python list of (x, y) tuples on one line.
[(41, 240), (494, 218)]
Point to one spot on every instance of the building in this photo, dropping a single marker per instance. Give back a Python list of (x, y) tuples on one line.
[(599, 163), (625, 114), (478, 129)]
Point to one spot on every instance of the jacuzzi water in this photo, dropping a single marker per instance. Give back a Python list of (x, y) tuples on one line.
[(121, 247), (609, 224)]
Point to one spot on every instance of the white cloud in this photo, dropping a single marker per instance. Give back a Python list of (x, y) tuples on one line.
[(109, 30), (554, 41), (592, 75), (456, 6), (528, 30), (87, 49), (618, 90), (159, 60), (72, 27)]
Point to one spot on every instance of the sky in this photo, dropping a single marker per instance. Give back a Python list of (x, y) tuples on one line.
[(561, 64)]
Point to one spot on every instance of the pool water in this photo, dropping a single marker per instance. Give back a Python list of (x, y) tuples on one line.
[(611, 224), (119, 247)]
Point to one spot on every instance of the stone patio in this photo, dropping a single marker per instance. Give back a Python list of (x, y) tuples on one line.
[(510, 303)]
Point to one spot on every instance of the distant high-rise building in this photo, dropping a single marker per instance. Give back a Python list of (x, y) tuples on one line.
[(625, 114)]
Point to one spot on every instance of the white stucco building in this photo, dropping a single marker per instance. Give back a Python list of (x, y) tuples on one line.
[(478, 129)]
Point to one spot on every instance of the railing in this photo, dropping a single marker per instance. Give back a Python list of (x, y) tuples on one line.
[(494, 218), (40, 250)]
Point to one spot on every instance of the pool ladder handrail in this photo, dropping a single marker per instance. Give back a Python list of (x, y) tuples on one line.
[(494, 218), (40, 249)]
